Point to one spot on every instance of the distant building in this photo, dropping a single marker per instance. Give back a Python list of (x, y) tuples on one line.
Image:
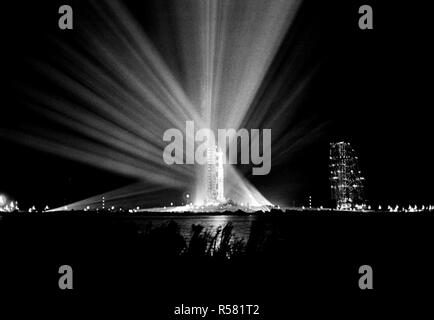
[(347, 183), (215, 176)]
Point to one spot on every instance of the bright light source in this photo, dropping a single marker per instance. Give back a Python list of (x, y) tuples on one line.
[(125, 94)]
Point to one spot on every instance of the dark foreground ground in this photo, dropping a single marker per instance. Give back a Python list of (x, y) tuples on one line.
[(301, 266)]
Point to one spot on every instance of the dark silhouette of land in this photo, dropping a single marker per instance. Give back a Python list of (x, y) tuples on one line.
[(289, 261)]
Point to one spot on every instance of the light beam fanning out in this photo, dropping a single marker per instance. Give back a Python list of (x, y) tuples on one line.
[(118, 89)]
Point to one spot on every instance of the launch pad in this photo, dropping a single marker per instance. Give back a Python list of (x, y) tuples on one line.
[(222, 208), (215, 200)]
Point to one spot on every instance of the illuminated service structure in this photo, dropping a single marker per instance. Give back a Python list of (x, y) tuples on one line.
[(345, 177), (214, 176)]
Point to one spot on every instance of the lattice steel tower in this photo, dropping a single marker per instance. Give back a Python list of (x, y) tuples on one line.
[(345, 177)]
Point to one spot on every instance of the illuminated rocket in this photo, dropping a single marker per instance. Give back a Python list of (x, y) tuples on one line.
[(215, 176)]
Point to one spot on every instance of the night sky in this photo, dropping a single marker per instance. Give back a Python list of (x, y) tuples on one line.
[(371, 88)]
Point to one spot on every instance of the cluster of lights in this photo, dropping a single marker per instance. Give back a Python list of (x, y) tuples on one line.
[(209, 207), (33, 209), (389, 208), (321, 208), (7, 206), (137, 209), (112, 208), (410, 208)]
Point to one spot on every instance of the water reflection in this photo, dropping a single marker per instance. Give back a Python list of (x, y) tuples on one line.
[(241, 224)]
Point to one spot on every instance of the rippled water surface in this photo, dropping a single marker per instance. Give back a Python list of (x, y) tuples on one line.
[(241, 224)]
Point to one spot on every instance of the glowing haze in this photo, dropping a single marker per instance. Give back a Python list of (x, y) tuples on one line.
[(117, 93)]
